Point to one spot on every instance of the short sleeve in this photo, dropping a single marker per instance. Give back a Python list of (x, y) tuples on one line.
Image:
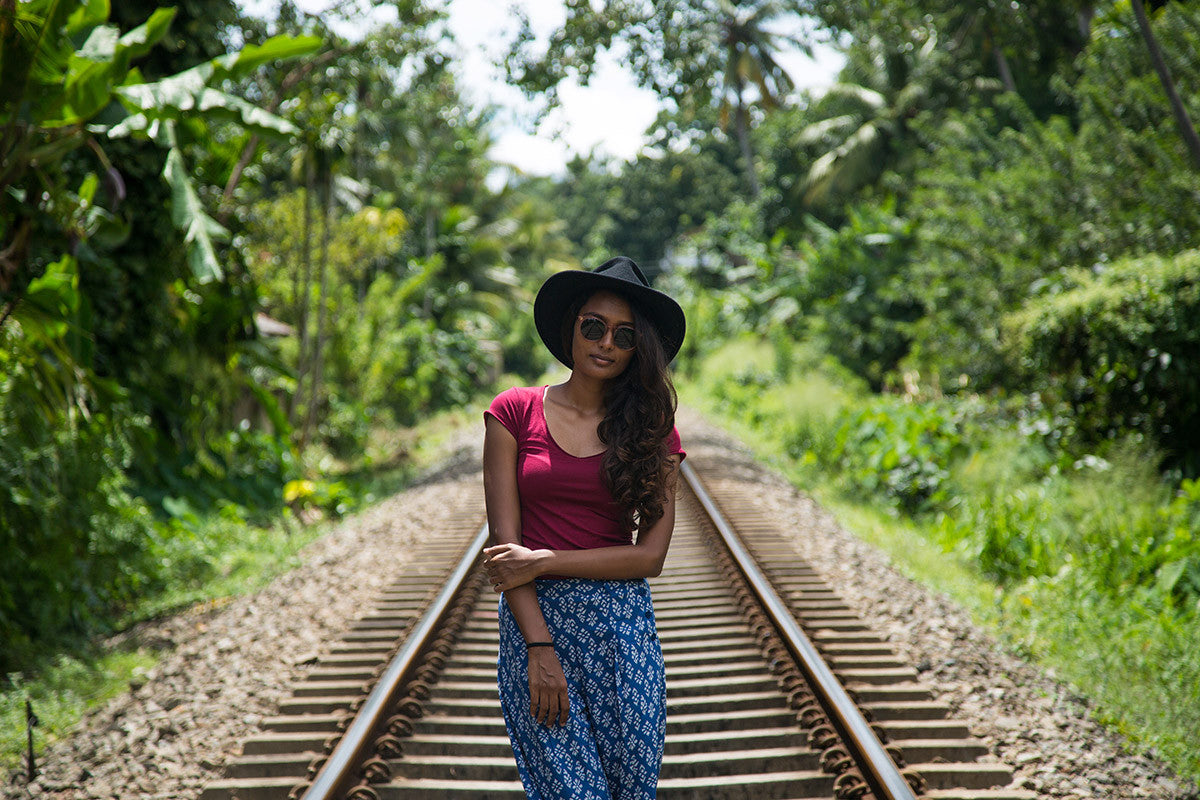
[(508, 409), (675, 445)]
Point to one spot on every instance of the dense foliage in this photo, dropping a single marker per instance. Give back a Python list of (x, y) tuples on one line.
[(1092, 562), (1115, 346), (990, 222), (100, 346), (214, 280)]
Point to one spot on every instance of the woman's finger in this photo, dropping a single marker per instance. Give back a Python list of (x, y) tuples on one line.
[(536, 705), (564, 707)]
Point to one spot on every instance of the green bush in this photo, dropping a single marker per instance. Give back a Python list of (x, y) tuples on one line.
[(1177, 551), (855, 284), (391, 359), (1119, 346), (901, 450), (1007, 535), (1116, 524)]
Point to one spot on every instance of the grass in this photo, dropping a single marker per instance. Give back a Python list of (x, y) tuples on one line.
[(60, 692), (236, 558), (1061, 562), (1136, 663)]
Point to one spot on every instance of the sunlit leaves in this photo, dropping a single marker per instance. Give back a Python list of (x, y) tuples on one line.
[(102, 63), (187, 212), (252, 56)]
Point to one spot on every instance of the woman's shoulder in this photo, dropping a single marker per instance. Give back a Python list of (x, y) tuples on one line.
[(513, 406), (675, 444), (515, 401), (518, 395)]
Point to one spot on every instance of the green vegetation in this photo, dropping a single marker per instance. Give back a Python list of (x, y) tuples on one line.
[(62, 691), (185, 364), (1113, 343), (207, 560), (1092, 560)]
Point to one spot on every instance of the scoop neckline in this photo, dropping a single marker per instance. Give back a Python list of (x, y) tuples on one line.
[(550, 436)]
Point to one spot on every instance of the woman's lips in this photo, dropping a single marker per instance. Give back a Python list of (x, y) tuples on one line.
[(601, 360)]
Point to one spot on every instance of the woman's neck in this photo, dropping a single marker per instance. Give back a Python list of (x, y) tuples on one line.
[(584, 394)]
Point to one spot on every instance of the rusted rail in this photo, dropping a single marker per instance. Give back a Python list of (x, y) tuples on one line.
[(340, 772), (877, 766)]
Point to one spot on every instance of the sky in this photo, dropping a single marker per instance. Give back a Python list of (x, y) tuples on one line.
[(608, 117)]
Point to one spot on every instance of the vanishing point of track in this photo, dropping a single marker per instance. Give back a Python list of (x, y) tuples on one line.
[(775, 688)]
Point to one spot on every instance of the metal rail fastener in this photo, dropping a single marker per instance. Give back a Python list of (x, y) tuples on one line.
[(339, 771), (877, 766)]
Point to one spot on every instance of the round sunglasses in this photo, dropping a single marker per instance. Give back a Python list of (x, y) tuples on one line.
[(594, 328)]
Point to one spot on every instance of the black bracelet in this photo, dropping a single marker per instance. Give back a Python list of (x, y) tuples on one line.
[(539, 644)]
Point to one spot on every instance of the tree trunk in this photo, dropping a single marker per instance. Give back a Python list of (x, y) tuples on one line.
[(1084, 18), (305, 289), (742, 126), (430, 247), (1002, 65), (317, 371), (251, 146), (1182, 121)]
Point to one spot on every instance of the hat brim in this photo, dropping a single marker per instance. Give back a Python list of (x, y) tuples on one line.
[(562, 287)]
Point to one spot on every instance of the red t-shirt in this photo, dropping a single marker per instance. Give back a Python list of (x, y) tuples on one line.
[(564, 502)]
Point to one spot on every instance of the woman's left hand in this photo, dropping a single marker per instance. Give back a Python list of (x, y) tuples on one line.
[(511, 565)]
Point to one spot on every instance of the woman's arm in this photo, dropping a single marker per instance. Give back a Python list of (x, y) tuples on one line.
[(509, 564), (547, 684)]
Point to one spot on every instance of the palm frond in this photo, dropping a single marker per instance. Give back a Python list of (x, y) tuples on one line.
[(844, 166), (853, 91), (817, 131)]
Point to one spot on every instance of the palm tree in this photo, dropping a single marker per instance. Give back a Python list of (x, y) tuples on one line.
[(872, 116), (750, 60)]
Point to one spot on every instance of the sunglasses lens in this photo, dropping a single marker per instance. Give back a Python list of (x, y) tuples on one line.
[(624, 336), (592, 329)]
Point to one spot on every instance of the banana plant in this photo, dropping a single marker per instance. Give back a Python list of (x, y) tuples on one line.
[(68, 85), (67, 81)]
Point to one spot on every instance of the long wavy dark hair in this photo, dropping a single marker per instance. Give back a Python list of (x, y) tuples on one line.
[(639, 415)]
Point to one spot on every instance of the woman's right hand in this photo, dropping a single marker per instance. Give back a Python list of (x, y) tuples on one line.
[(547, 687)]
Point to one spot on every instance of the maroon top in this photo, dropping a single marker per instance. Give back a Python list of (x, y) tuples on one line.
[(564, 502)]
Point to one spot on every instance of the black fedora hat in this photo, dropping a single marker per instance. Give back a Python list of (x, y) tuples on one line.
[(620, 275)]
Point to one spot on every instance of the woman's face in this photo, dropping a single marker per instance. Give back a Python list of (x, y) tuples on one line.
[(602, 359)]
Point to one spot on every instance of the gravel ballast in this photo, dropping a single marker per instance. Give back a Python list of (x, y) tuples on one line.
[(226, 667)]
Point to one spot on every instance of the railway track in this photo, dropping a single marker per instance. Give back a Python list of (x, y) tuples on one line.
[(775, 688)]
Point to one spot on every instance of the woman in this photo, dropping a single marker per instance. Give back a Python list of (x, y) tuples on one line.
[(569, 472)]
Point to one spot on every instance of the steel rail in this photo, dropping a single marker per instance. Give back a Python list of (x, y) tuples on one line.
[(334, 779), (877, 766)]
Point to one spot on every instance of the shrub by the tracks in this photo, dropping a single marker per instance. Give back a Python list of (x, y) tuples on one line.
[(1119, 347), (901, 450)]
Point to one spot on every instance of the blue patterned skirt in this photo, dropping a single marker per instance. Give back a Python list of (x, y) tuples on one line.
[(612, 745)]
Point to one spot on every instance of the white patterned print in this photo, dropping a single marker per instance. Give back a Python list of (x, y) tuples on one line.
[(612, 745)]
